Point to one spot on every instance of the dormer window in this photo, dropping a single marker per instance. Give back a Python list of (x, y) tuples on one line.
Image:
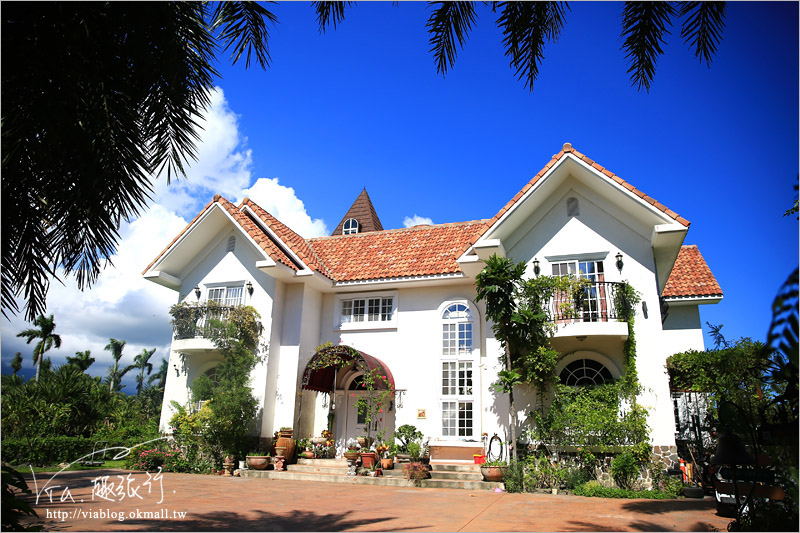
[(350, 226)]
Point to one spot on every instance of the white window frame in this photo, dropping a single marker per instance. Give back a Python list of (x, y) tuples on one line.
[(452, 397), (347, 227), (459, 394), (383, 316), (226, 288)]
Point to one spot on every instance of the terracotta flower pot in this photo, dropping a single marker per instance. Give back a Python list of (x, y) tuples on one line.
[(368, 459), (351, 455), (258, 462), (387, 464), (493, 473)]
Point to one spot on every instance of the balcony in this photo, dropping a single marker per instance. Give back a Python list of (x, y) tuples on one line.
[(598, 308), (193, 326)]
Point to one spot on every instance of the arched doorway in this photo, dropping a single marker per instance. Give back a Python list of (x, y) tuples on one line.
[(339, 372)]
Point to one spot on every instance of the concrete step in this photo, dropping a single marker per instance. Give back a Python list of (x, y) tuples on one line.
[(315, 469), (322, 462), (466, 467), (440, 474), (389, 481)]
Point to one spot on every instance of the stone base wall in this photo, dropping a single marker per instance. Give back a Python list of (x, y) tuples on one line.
[(668, 455)]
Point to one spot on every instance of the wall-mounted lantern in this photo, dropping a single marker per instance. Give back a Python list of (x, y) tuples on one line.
[(249, 288), (536, 269), (619, 261), (197, 291)]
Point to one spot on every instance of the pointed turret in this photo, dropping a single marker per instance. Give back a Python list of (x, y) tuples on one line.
[(360, 218)]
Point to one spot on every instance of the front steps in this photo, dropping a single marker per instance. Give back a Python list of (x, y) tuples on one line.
[(443, 476)]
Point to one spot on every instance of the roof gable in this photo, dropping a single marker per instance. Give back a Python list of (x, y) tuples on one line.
[(364, 212)]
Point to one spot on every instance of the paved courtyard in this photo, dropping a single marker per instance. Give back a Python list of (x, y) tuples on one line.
[(86, 501)]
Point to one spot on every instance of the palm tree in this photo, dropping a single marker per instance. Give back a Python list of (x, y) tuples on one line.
[(47, 339), (119, 99), (16, 363), (160, 375), (82, 360), (528, 26), (115, 373), (141, 362)]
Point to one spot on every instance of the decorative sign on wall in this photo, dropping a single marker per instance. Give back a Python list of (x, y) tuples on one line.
[(420, 413)]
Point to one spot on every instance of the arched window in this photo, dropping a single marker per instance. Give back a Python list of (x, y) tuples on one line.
[(350, 226), (585, 372), (457, 389), (456, 330)]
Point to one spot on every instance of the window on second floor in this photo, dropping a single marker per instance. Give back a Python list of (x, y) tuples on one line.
[(377, 309), (230, 296), (456, 330)]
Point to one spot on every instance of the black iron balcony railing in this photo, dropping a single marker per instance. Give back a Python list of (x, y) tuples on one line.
[(198, 321), (599, 301)]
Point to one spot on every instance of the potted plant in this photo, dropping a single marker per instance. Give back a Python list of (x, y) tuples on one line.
[(369, 458), (286, 432), (257, 460), (493, 470), (387, 461), (406, 434), (353, 450)]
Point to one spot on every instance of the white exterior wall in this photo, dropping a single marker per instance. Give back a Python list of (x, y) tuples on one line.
[(595, 232), (215, 266), (413, 353)]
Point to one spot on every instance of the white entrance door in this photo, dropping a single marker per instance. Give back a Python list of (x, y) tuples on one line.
[(356, 425)]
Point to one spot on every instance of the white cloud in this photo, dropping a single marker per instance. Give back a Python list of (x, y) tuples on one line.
[(122, 304), (282, 203), (416, 220)]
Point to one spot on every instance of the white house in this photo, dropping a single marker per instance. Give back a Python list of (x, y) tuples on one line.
[(405, 299)]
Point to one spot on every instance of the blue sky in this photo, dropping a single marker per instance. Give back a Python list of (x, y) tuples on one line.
[(363, 106)]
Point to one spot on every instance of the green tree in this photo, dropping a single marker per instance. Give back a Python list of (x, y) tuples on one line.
[(16, 363), (142, 363), (528, 26), (161, 374), (47, 339), (99, 99), (82, 360), (115, 372)]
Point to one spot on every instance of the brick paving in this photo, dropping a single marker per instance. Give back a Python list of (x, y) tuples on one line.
[(214, 503)]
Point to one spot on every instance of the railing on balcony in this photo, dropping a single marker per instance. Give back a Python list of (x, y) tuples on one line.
[(599, 301), (197, 321)]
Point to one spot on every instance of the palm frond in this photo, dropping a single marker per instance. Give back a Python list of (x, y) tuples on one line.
[(703, 26), (527, 26), (643, 27), (329, 13), (244, 27), (450, 21)]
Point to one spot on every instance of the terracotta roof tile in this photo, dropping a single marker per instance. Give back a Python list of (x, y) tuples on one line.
[(295, 242), (417, 251), (262, 239), (568, 149), (691, 276)]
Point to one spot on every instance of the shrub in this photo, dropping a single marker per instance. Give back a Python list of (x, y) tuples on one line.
[(514, 477), (46, 451), (576, 477), (407, 434), (152, 459), (595, 489), (625, 469), (416, 472)]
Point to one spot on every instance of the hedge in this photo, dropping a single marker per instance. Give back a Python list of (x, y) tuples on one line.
[(54, 450)]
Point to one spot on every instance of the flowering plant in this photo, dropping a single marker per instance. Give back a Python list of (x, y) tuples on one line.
[(352, 444)]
